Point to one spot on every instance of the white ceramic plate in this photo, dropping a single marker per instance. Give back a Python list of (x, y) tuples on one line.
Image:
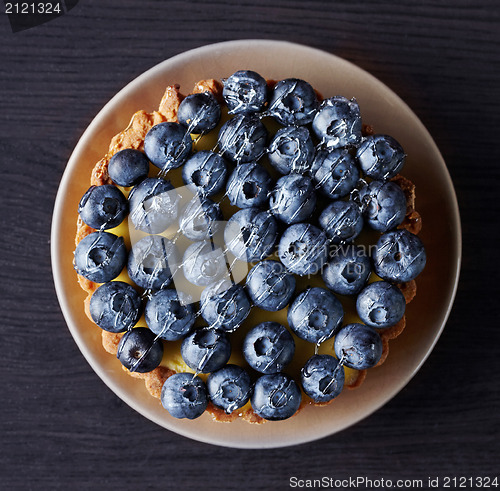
[(436, 202)]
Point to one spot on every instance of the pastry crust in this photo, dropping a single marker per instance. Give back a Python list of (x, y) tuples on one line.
[(413, 220), (133, 137)]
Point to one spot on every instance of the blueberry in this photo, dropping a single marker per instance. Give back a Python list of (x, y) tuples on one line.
[(169, 314), (322, 378), (276, 397), (152, 261), (381, 304), (270, 286), (303, 249), (335, 173), (229, 388), (243, 138), (115, 306), (139, 350), (245, 91), (380, 157), (249, 185), (205, 173), (200, 219), (268, 347), (203, 263), (291, 150), (199, 113), (100, 256), (358, 346), (293, 102), (341, 221), (399, 256), (338, 122), (128, 167), (184, 395), (206, 350), (315, 315), (251, 234), (347, 270), (384, 205), (293, 198), (224, 305), (154, 205), (103, 207), (167, 145)]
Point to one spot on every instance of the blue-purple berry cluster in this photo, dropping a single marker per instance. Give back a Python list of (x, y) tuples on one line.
[(304, 194)]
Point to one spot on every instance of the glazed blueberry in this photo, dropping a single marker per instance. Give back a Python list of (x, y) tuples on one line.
[(128, 167), (152, 261), (338, 122), (251, 234), (203, 263), (243, 138), (276, 397), (206, 350), (322, 378), (229, 388), (115, 306), (100, 256), (103, 207), (249, 185), (335, 173), (399, 256), (205, 173), (154, 205), (167, 145), (303, 249), (293, 198), (341, 221), (268, 347), (293, 102), (381, 304), (291, 150), (224, 305), (384, 205), (184, 395), (315, 315), (139, 351), (380, 157), (270, 286), (358, 346), (200, 219), (199, 113), (347, 270), (245, 91), (169, 314)]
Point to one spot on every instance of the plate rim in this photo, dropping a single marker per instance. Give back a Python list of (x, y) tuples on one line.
[(58, 213)]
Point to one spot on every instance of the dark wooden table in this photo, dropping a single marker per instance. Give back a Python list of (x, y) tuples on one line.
[(61, 427)]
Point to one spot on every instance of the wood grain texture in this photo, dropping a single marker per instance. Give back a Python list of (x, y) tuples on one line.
[(59, 425)]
